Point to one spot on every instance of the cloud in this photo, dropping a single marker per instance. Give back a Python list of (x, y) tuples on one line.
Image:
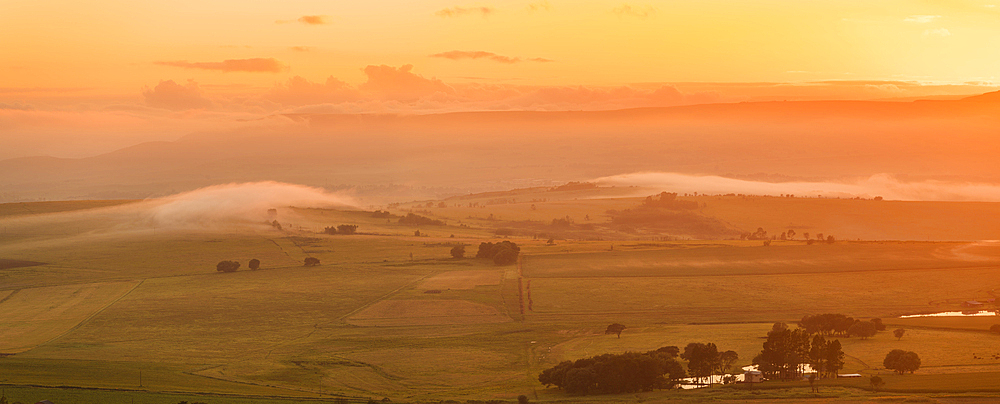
[(170, 95), (301, 48), (456, 55), (16, 106), (314, 19), (638, 11), (307, 20), (401, 84), (299, 91), (237, 203), (921, 19), (267, 65), (539, 6), (883, 185), (942, 32), (460, 11)]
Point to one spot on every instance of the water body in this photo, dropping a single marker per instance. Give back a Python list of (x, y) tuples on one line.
[(966, 313)]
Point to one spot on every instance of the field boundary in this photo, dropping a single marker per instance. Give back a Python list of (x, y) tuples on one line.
[(91, 316)]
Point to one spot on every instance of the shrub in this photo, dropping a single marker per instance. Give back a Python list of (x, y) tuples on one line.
[(227, 266), (254, 264), (311, 262)]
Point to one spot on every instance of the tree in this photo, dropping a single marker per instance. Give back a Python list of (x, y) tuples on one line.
[(901, 361), (615, 329), (311, 262), (863, 329), (876, 382), (830, 239), (898, 333), (347, 229), (878, 324), (458, 251), (834, 358), (522, 399), (254, 264), (995, 328), (805, 235), (227, 266), (669, 351), (703, 359), (579, 381), (791, 234), (726, 360)]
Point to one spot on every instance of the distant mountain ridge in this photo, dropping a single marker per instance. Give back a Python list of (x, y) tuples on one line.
[(491, 150)]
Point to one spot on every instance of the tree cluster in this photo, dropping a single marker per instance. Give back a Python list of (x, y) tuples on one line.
[(629, 372), (502, 253), (901, 361), (760, 234), (785, 350), (667, 200), (705, 360), (841, 325), (412, 219), (342, 229)]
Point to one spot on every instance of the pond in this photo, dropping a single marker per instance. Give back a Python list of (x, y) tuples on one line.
[(965, 313), (697, 383)]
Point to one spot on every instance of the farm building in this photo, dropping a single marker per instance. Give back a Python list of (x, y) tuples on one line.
[(848, 375), (753, 376)]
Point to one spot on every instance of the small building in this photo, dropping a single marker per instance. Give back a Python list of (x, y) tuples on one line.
[(753, 376), (848, 375), (971, 303)]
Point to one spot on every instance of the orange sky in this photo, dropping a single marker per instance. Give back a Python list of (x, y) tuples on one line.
[(122, 71)]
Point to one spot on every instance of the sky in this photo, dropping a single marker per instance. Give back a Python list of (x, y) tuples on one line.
[(116, 72)]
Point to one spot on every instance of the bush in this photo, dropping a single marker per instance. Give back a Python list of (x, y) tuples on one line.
[(458, 251), (254, 264), (995, 328), (227, 266), (311, 262)]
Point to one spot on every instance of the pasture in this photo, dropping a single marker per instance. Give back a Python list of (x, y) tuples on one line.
[(388, 313)]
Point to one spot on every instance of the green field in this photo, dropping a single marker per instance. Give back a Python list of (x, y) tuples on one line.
[(108, 295)]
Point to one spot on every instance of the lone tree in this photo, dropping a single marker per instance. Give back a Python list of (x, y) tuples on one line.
[(227, 266), (615, 329), (522, 399), (876, 382), (898, 333), (901, 361), (311, 262), (254, 264), (458, 251)]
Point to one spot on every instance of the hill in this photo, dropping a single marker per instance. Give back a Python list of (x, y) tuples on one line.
[(478, 151)]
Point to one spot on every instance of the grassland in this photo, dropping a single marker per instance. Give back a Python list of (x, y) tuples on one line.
[(391, 314)]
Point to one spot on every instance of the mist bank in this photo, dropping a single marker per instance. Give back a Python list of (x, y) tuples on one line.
[(883, 185), (446, 154), (239, 207)]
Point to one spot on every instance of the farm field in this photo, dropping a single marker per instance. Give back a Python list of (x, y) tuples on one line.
[(94, 296)]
